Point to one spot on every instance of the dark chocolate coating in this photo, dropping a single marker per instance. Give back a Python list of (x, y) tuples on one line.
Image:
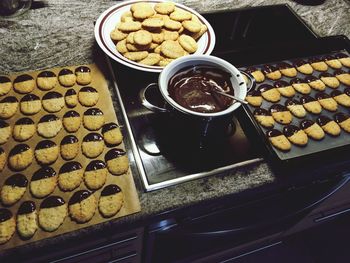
[(322, 120), (306, 98), (273, 133), (48, 118), (5, 214), (46, 74), (71, 113), (268, 69), (45, 144), (70, 167), (347, 91), (338, 72), (79, 196), (25, 121), (26, 207), (261, 111), (52, 95), (114, 153), (340, 117), (299, 62), (278, 108), (265, 87), (110, 190), (30, 97), (43, 172), (284, 65), (9, 99), (3, 124), (82, 69), (297, 81), (1, 150), (335, 93), (93, 137), (95, 165), (88, 89), (289, 130), (328, 57), (251, 70), (4, 79), (109, 126), (311, 78), (52, 201), (254, 93), (69, 139), (304, 124), (340, 55), (281, 84), (93, 112), (18, 180), (70, 92), (290, 102), (23, 78), (65, 71), (325, 75), (315, 59), (19, 148), (321, 96)]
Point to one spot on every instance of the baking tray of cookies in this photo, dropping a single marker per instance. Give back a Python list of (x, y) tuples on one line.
[(63, 162), (300, 107)]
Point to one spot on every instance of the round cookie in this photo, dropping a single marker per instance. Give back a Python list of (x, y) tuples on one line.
[(46, 152), (312, 129), (188, 43), (30, 104), (343, 120), (303, 67), (180, 15), (164, 8), (27, 223), (95, 174), (341, 98), (151, 59), (326, 101), (53, 211), (300, 86), (295, 108), (256, 74), (269, 93), (53, 101), (92, 145), (43, 182), (66, 77), (315, 83), (271, 72), (46, 80), (5, 131), (83, 74), (2, 159), (82, 206), (8, 107), (254, 98), (287, 69), (153, 23), (281, 114), (328, 125), (278, 140), (49, 126), (20, 157), (318, 64), (5, 85), (70, 176), (13, 189), (142, 37), (88, 96), (310, 104), (24, 84), (69, 147), (191, 26), (71, 121), (284, 88), (24, 129), (172, 49), (93, 119), (71, 98), (112, 134), (111, 200), (117, 161), (329, 80), (264, 117), (142, 10), (295, 135), (7, 225)]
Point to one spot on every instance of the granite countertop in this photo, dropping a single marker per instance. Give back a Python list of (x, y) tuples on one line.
[(60, 33)]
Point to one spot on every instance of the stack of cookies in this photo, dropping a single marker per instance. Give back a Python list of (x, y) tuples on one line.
[(303, 98)]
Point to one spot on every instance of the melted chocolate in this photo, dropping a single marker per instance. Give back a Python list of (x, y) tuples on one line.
[(5, 214), (297, 81), (70, 167), (45, 144), (322, 120), (19, 148), (268, 69), (82, 69), (299, 62), (289, 130), (281, 84), (46, 74), (340, 117), (321, 96), (52, 201), (347, 91), (325, 75), (335, 93), (254, 93), (328, 57), (309, 79), (114, 153), (340, 55), (69, 139), (315, 59), (18, 180), (43, 172), (306, 98), (251, 70), (71, 114), (93, 137), (9, 99), (48, 118), (4, 124), (26, 207), (264, 87), (52, 95), (65, 71), (261, 111), (277, 108), (95, 165), (4, 79), (339, 72), (88, 89), (273, 133), (79, 196), (30, 97), (111, 190), (283, 65), (304, 124), (109, 126), (25, 121), (70, 92), (23, 78), (93, 112)]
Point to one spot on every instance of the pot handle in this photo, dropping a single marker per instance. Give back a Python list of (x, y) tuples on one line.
[(251, 80), (146, 103)]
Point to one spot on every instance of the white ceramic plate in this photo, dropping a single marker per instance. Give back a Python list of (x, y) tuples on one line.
[(109, 18)]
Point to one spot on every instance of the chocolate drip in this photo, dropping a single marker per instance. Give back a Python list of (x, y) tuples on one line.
[(304, 124), (30, 97), (79, 196), (69, 139), (254, 93), (18, 180), (325, 75), (4, 79), (46, 74), (26, 207), (339, 72), (265, 87), (347, 91), (268, 69), (93, 137), (306, 98), (5, 214), (52, 95), (261, 111), (309, 79), (19, 148), (9, 99), (109, 126), (93, 112), (283, 65), (43, 172), (95, 165), (23, 78), (65, 71), (4, 124), (52, 201), (323, 120), (277, 108), (82, 69), (70, 167), (111, 190), (291, 102), (290, 130), (48, 118), (297, 81), (45, 144), (71, 114), (340, 55), (114, 153), (340, 117), (273, 133), (299, 62), (251, 70), (25, 121), (70, 92), (281, 84), (88, 89)]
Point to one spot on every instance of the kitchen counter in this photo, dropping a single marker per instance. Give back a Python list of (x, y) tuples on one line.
[(60, 33)]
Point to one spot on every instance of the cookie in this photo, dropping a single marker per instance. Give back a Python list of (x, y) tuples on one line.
[(191, 26), (310, 104), (24, 129), (312, 129), (24, 84), (295, 135), (300, 86), (326, 101), (343, 120), (164, 8), (46, 80), (303, 67), (92, 145), (170, 35), (129, 26), (172, 49), (93, 119), (3, 158), (66, 77), (329, 80), (344, 59), (278, 140), (95, 174), (332, 62), (271, 72), (281, 114), (121, 47), (196, 36), (328, 125), (117, 161), (5, 131), (83, 75), (264, 117), (142, 37), (43, 182), (5, 85), (117, 35), (69, 147), (315, 83), (158, 38), (8, 107), (70, 176), (27, 223), (256, 74), (254, 98), (342, 76), (151, 59), (287, 69), (269, 93), (172, 24), (53, 211), (13, 189), (295, 108), (126, 16), (188, 43), (88, 96), (111, 200), (30, 104), (153, 23), (71, 121), (180, 15), (20, 157), (318, 64), (142, 10), (136, 56), (49, 126), (53, 101), (7, 225), (82, 206), (341, 98), (46, 152), (284, 88), (112, 134)]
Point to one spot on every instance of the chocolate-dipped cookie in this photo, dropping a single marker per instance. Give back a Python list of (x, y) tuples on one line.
[(20, 157), (92, 145), (295, 107), (93, 119), (117, 161), (284, 88), (70, 176), (71, 121), (69, 147), (46, 152), (8, 107), (7, 225), (66, 77), (332, 61), (30, 104), (24, 129), (329, 80), (83, 74), (24, 84), (95, 174), (281, 114), (311, 104), (88, 96), (269, 93), (256, 74), (315, 83), (295, 135), (49, 126), (3, 158), (287, 69), (312, 129), (112, 134), (303, 66), (46, 80), (13, 189), (82, 206), (5, 131), (71, 98), (300, 86), (254, 98), (43, 182), (343, 120), (342, 76), (111, 200), (326, 101), (264, 117), (344, 59), (328, 125), (5, 85), (341, 98), (271, 72), (27, 223), (278, 140), (53, 211), (318, 64), (53, 101)]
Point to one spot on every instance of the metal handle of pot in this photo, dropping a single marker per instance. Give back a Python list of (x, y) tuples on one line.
[(146, 103), (251, 80)]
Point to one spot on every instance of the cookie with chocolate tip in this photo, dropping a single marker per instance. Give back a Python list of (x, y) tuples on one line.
[(95, 174), (256, 74), (46, 152), (111, 200), (20, 157), (3, 158), (8, 107), (46, 80), (295, 135), (27, 223), (82, 206), (5, 85), (295, 108), (269, 93), (271, 72), (70, 176), (71, 121), (93, 119), (24, 129), (49, 126), (284, 88), (328, 125), (53, 101), (88, 96), (254, 98), (83, 74), (312, 129), (318, 64), (5, 131), (311, 104), (303, 66), (315, 83), (92, 145), (278, 140), (343, 120), (66, 77), (341, 98), (30, 104), (329, 80), (344, 59), (13, 189), (281, 114), (69, 147), (332, 61), (287, 69), (326, 101), (300, 86), (52, 213), (7, 225), (71, 98), (112, 134), (263, 117), (24, 84), (43, 182), (117, 161), (342, 76)]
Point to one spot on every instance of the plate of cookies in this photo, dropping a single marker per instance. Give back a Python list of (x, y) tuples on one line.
[(149, 35)]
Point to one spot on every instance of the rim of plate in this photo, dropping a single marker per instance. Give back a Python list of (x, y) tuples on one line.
[(102, 38)]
